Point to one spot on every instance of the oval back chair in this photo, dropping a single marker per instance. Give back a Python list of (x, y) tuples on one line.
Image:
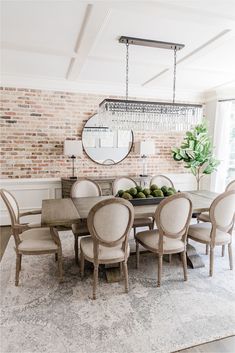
[(219, 230), (109, 223), (161, 180), (85, 188), (30, 241), (172, 217), (123, 183)]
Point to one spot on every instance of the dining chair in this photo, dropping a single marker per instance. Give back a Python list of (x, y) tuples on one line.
[(83, 188), (11, 200), (31, 241), (109, 223), (125, 183), (161, 180), (204, 216), (172, 218), (219, 230)]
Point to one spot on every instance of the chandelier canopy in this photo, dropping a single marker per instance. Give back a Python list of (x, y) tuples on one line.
[(125, 114)]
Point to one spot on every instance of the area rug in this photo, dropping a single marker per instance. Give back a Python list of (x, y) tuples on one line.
[(42, 315)]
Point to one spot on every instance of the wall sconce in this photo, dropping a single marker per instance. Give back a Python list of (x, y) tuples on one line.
[(73, 149)]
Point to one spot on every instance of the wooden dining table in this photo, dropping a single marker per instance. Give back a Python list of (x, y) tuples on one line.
[(68, 211)]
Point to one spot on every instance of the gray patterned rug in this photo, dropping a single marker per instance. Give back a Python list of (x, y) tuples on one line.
[(44, 316)]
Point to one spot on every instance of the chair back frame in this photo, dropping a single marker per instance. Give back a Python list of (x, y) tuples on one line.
[(162, 232), (89, 180), (115, 182), (162, 176), (123, 239), (230, 186), (228, 228)]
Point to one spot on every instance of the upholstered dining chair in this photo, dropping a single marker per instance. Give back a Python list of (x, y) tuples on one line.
[(161, 180), (124, 183), (204, 216), (83, 188), (219, 230), (31, 241), (172, 218), (11, 200), (109, 223)]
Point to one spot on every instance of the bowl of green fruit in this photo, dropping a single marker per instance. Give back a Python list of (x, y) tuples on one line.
[(146, 196)]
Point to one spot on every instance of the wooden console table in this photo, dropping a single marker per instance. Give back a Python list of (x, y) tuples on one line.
[(105, 184)]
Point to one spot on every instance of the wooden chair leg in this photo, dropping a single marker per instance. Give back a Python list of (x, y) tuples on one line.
[(223, 250), (211, 261), (82, 263), (17, 269), (230, 254), (56, 257), (137, 254), (159, 270), (60, 265), (20, 260), (95, 279), (76, 248), (121, 269), (207, 249), (184, 263), (126, 277)]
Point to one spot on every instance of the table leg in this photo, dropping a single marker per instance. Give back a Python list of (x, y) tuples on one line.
[(194, 260)]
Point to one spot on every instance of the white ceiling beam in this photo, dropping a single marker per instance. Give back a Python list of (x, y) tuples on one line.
[(94, 20)]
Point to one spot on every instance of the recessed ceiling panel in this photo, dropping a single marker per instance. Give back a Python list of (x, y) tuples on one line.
[(34, 65), (44, 24)]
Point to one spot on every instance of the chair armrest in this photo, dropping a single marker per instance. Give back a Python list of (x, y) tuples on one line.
[(20, 227), (31, 213)]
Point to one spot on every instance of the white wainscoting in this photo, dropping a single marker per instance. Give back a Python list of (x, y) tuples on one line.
[(30, 192)]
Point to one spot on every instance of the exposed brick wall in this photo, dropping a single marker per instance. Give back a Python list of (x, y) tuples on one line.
[(35, 123)]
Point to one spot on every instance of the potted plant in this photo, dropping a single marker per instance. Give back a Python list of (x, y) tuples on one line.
[(196, 152)]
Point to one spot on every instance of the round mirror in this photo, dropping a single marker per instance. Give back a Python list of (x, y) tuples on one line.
[(105, 145)]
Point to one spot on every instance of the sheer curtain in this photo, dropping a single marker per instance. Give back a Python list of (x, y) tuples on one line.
[(221, 143)]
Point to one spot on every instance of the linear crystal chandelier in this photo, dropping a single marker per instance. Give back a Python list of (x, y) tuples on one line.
[(125, 114)]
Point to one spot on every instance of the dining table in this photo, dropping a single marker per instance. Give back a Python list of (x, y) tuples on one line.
[(68, 211)]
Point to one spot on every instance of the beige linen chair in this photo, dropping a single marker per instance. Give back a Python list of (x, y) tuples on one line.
[(204, 216), (125, 183), (172, 217), (109, 223), (161, 180), (10, 199), (219, 231), (83, 188), (31, 241)]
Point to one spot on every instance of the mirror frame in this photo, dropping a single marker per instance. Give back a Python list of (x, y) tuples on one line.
[(105, 165)]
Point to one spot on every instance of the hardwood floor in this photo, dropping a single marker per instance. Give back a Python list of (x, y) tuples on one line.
[(225, 345)]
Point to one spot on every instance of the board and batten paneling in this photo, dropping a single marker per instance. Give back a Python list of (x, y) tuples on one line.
[(30, 192)]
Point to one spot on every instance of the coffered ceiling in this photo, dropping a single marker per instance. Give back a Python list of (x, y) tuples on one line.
[(73, 45)]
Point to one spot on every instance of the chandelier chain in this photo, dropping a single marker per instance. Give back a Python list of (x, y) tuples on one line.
[(174, 74), (127, 69)]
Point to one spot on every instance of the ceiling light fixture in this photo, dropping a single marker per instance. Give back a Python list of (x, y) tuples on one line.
[(137, 115)]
